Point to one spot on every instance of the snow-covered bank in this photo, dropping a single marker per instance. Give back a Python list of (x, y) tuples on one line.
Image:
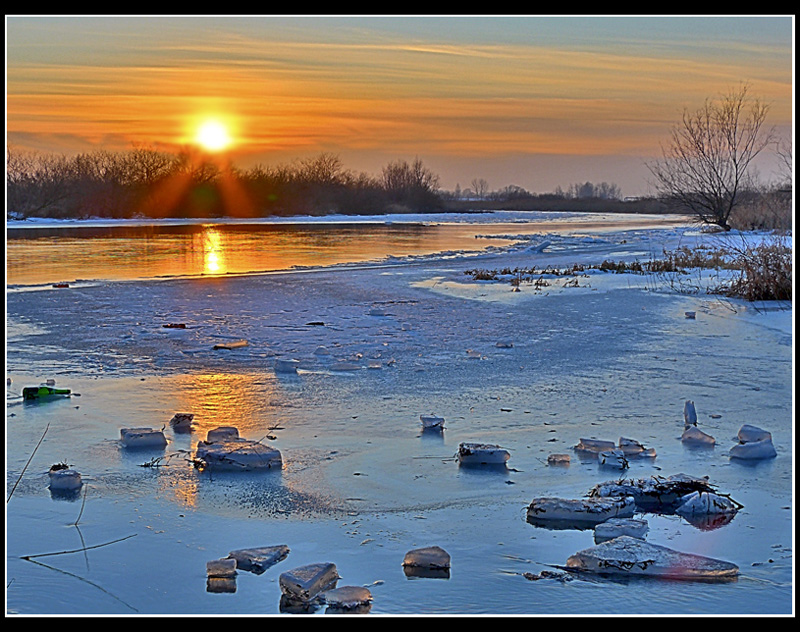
[(361, 483), (472, 218)]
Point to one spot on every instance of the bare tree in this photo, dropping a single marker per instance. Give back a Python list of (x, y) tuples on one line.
[(784, 151), (480, 187), (325, 168), (403, 179), (36, 183), (706, 165)]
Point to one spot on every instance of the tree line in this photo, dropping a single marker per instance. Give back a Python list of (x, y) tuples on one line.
[(145, 182)]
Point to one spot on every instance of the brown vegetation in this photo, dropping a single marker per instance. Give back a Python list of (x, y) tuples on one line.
[(758, 273)]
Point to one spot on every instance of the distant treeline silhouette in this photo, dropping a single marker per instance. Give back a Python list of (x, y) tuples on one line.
[(150, 183), (143, 182)]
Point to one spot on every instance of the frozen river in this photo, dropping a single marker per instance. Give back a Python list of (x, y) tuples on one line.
[(47, 252), (361, 484)]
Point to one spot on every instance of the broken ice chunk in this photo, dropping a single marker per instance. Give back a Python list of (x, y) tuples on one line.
[(694, 436), (656, 492), (482, 454), (222, 433), (689, 414), (613, 458), (63, 478), (700, 503), (306, 582), (631, 447), (237, 454), (286, 365), (625, 555), (753, 450), (182, 422), (236, 344), (429, 557), (580, 511), (429, 561), (258, 560), (142, 438), (615, 527), (754, 443), (749, 434), (594, 445), (431, 421), (558, 459), (347, 598), (225, 567)]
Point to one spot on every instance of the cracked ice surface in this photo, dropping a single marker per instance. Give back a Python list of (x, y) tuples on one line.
[(361, 483)]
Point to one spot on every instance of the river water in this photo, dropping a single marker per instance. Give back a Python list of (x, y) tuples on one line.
[(124, 251)]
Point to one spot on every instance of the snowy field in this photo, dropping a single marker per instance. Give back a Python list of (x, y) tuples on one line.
[(596, 355)]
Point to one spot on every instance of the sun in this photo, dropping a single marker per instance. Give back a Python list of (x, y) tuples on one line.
[(213, 135)]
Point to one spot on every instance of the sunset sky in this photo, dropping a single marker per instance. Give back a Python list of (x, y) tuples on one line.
[(537, 102)]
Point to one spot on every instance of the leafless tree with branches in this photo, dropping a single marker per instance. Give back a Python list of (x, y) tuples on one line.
[(706, 165)]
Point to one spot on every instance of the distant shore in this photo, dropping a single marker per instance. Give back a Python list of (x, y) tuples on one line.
[(648, 206)]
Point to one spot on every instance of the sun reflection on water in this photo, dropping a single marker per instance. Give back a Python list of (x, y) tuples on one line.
[(241, 400), (213, 252)]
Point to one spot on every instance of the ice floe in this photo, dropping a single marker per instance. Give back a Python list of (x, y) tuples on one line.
[(579, 512), (626, 555), (615, 527), (258, 560), (428, 561), (224, 567), (754, 444), (142, 438), (304, 583), (64, 478), (224, 449), (431, 421), (653, 493), (237, 454), (347, 599), (482, 454), (182, 422)]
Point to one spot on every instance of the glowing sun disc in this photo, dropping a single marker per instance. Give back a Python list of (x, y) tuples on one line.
[(213, 136)]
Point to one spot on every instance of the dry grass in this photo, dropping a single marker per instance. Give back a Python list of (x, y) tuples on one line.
[(768, 211), (765, 272), (761, 272)]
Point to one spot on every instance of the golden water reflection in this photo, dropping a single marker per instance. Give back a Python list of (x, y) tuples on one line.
[(228, 399), (42, 255), (132, 251), (213, 252), (243, 400)]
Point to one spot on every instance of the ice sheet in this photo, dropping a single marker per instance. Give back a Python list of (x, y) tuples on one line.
[(361, 484)]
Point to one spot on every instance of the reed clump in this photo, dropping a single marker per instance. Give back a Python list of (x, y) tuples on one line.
[(759, 272)]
